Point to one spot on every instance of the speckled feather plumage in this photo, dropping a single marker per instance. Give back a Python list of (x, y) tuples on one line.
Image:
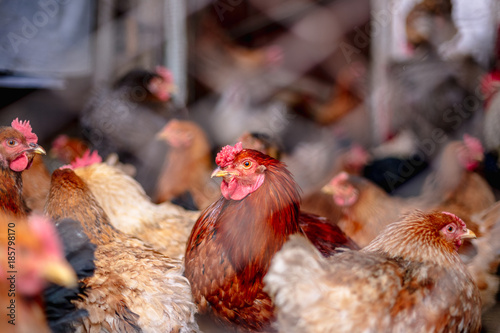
[(404, 281), (166, 227), (121, 297)]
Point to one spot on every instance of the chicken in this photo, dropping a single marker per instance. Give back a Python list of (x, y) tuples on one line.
[(187, 166), (409, 279), (166, 227), (31, 256), (125, 118), (367, 209), (17, 150), (233, 241), (120, 296)]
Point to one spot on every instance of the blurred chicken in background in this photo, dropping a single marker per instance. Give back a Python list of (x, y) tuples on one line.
[(124, 118), (185, 175)]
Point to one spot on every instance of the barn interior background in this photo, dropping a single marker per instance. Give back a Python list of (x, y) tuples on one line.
[(398, 78)]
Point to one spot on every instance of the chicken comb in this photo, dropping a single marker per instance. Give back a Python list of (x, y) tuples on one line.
[(473, 144), (274, 55), (60, 141), (227, 154), (489, 83), (339, 178), (25, 128), (456, 218), (165, 73), (86, 160)]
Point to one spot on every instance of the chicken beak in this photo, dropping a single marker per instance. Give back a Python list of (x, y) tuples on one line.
[(469, 234), (219, 173), (328, 189), (37, 149), (61, 273), (223, 173)]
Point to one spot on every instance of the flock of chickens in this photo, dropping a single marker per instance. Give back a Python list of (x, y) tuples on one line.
[(158, 238), (91, 252)]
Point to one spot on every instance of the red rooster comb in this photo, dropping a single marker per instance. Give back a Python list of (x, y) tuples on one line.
[(473, 144), (86, 160), (227, 154), (60, 141), (339, 178), (165, 73), (456, 218), (25, 128), (490, 83)]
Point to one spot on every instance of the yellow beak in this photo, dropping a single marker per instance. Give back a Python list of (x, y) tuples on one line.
[(222, 173), (37, 149), (328, 189), (219, 173), (469, 234), (61, 273)]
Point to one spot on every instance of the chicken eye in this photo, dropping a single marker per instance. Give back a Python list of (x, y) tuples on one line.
[(247, 164), (450, 229), (11, 142)]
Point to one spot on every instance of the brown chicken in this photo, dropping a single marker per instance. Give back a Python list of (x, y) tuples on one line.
[(188, 164), (31, 256), (320, 202), (133, 288), (18, 146), (409, 279), (166, 227), (233, 241), (366, 208)]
